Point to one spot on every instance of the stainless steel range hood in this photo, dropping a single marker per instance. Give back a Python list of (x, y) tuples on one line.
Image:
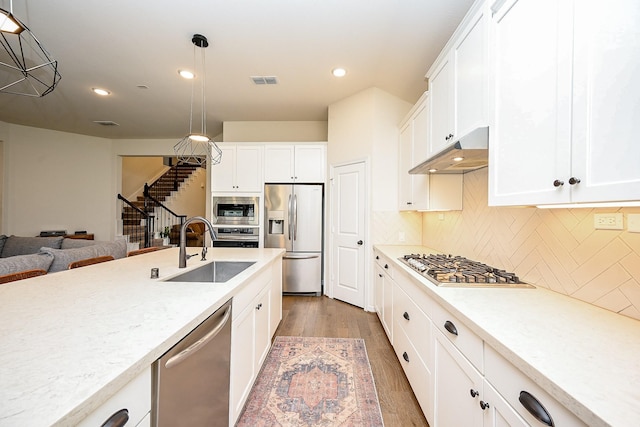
[(473, 148)]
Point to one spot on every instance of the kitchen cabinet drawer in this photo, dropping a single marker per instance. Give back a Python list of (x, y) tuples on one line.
[(135, 397), (510, 382), (414, 323), (385, 264), (413, 290), (469, 344), (242, 300), (415, 369)]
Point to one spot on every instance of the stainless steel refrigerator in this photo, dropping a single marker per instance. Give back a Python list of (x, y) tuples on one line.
[(294, 220)]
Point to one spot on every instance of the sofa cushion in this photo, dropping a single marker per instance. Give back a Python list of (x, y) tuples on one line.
[(19, 263), (77, 243), (3, 239), (117, 248), (17, 245), (63, 257)]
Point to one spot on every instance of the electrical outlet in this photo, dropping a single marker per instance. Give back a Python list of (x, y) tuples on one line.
[(610, 221), (633, 223)]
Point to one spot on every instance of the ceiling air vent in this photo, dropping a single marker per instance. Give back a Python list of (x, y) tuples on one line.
[(265, 80), (106, 123)]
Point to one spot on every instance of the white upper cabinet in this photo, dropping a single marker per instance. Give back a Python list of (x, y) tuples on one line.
[(606, 106), (564, 102), (442, 105), (302, 163), (423, 192), (240, 169), (458, 82), (471, 82)]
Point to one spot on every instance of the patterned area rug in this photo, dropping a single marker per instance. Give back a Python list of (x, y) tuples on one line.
[(314, 382)]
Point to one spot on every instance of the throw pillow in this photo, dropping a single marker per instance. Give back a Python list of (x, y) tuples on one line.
[(3, 239), (16, 245), (19, 263), (117, 249), (63, 257)]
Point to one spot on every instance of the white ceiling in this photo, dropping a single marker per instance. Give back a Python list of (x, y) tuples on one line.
[(121, 44)]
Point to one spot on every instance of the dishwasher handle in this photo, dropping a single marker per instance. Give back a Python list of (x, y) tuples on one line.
[(118, 419), (184, 354)]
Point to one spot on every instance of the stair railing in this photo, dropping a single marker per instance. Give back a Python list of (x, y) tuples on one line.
[(146, 221), (165, 218)]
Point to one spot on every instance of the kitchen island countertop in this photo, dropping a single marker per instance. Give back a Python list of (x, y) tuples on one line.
[(71, 339), (584, 356)]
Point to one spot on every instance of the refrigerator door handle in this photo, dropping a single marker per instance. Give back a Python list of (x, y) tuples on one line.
[(301, 257), (295, 216), (289, 213)]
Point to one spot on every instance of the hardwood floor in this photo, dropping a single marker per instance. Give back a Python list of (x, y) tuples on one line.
[(325, 317)]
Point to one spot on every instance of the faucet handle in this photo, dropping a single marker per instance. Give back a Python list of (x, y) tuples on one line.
[(189, 256), (204, 253)]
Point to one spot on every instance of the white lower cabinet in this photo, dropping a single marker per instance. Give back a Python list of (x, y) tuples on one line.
[(412, 342), (457, 378), (383, 291), (251, 333), (533, 404), (457, 386), (498, 412), (132, 401)]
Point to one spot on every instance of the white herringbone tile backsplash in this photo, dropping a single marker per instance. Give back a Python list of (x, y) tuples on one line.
[(387, 228), (557, 249)]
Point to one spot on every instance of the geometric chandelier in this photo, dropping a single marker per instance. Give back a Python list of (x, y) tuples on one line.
[(26, 68), (197, 148)]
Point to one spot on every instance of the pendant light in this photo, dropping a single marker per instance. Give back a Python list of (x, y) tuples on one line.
[(26, 68), (196, 148)]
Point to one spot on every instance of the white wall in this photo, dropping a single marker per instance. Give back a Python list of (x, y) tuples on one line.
[(365, 125), (57, 181), (261, 131)]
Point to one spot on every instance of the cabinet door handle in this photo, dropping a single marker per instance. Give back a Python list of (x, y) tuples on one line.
[(573, 180), (377, 257), (484, 405), (259, 306), (405, 356), (535, 408), (118, 419), (406, 315), (379, 274), (409, 203), (474, 393), (558, 183), (450, 327), (386, 266), (360, 242)]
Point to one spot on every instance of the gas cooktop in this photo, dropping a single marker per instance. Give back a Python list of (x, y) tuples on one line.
[(457, 271)]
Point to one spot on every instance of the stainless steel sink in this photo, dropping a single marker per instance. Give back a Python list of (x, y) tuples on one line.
[(216, 272)]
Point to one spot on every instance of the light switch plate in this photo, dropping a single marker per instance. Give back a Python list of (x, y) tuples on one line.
[(608, 221), (633, 223)]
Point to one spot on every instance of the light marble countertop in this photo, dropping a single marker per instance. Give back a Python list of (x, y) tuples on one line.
[(586, 357), (70, 340)]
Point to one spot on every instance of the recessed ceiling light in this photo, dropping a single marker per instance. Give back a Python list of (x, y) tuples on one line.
[(186, 74), (433, 170), (458, 159), (101, 92), (339, 72)]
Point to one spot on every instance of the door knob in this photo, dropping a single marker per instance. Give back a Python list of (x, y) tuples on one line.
[(360, 242)]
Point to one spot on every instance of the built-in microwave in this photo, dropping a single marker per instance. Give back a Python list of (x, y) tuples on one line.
[(229, 210)]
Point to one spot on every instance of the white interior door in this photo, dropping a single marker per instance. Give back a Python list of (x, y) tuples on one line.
[(348, 229)]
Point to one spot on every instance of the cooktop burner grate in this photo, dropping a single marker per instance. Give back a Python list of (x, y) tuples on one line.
[(451, 270)]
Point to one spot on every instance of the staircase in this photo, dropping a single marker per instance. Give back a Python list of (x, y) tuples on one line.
[(163, 188)]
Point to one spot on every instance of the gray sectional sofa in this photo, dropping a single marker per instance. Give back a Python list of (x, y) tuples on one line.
[(52, 254)]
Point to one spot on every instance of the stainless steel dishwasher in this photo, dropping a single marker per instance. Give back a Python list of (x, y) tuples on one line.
[(191, 380)]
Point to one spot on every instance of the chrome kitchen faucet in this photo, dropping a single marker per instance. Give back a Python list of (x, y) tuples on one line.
[(182, 257)]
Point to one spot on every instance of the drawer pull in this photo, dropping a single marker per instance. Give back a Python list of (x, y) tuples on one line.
[(474, 393), (406, 315), (450, 327), (386, 266), (377, 257), (405, 356), (484, 405), (118, 419), (379, 274), (536, 409)]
